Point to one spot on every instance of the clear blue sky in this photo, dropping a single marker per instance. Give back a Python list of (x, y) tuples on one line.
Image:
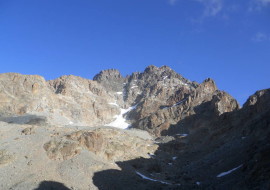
[(228, 41)]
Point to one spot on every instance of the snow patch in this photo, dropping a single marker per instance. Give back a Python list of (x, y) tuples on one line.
[(176, 104), (183, 83), (228, 172), (115, 104), (150, 179), (174, 158), (198, 183), (119, 92), (134, 87), (165, 77), (182, 135), (120, 121)]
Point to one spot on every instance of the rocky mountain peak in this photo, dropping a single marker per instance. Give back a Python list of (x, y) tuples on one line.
[(111, 79), (207, 86), (259, 101), (110, 74), (160, 73), (151, 69)]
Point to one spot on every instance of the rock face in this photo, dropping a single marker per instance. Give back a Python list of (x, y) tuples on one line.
[(21, 93), (58, 133), (83, 100)]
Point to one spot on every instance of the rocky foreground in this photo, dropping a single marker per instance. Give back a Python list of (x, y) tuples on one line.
[(149, 130)]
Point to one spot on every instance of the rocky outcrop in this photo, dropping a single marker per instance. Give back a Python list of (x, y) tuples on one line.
[(109, 144), (259, 100), (222, 103)]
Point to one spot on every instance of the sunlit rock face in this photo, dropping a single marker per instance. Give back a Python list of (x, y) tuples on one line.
[(67, 100)]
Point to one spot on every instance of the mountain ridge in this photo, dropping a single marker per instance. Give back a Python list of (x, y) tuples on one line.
[(152, 129), (156, 87)]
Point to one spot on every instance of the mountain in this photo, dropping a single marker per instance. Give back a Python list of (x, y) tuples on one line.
[(149, 130)]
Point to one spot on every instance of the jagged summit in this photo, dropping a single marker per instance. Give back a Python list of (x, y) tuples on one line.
[(111, 79), (260, 97), (110, 74)]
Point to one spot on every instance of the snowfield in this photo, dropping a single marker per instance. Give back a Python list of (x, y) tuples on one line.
[(120, 121)]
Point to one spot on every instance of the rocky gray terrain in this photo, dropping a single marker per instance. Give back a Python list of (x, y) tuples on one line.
[(149, 130)]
